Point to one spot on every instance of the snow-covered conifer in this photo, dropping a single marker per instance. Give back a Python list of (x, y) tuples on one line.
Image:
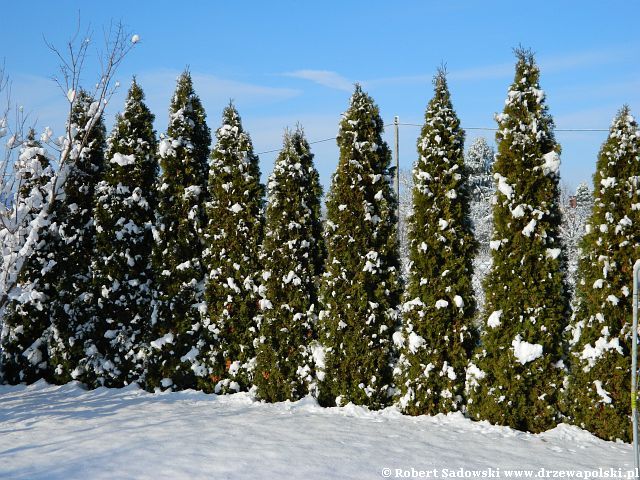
[(574, 220), (233, 237), (72, 306), (360, 289), (437, 335), (177, 333), (600, 333), (124, 213), (516, 376), (27, 317), (293, 257), (479, 161)]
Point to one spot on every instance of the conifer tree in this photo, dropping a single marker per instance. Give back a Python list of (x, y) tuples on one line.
[(574, 219), (437, 331), (72, 307), (177, 333), (516, 376), (234, 236), (360, 289), (600, 345), (479, 162), (124, 213), (292, 256), (26, 320)]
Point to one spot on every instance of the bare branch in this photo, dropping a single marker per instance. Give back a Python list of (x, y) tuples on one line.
[(71, 64)]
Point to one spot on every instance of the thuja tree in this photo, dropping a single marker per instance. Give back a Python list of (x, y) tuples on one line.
[(23, 352), (517, 374), (479, 161), (437, 321), (234, 234), (360, 289), (177, 333), (124, 213), (292, 255), (598, 396), (72, 307)]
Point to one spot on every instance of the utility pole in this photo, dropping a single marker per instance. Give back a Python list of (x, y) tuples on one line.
[(634, 369), (396, 181)]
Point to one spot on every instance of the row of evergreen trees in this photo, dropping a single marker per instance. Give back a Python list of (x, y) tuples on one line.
[(181, 281)]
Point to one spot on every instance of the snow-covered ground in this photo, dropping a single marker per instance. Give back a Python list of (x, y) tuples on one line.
[(51, 432)]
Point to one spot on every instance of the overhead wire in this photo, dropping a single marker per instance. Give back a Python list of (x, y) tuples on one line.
[(489, 129)]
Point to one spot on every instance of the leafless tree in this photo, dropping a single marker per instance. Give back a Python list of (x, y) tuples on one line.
[(16, 237)]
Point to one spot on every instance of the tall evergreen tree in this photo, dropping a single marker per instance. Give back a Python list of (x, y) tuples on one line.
[(293, 258), (124, 213), (360, 289), (601, 332), (438, 333), (26, 319), (72, 307), (516, 376), (177, 334), (234, 236)]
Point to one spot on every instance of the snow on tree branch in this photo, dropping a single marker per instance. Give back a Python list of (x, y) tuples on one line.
[(19, 238)]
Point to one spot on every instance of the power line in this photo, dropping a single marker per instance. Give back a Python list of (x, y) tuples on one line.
[(494, 129), (488, 129), (310, 143)]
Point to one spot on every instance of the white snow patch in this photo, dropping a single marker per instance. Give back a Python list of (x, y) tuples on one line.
[(551, 163), (441, 304), (602, 392), (553, 253), (494, 319), (166, 339), (416, 342), (529, 228), (458, 301), (525, 352), (123, 160)]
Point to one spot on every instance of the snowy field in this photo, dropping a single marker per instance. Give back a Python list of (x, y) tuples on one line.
[(51, 432)]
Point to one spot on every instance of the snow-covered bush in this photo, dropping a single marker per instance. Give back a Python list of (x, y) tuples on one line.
[(516, 375), (124, 213), (26, 319), (293, 259), (600, 333), (177, 334), (360, 289), (233, 238), (72, 307), (437, 332)]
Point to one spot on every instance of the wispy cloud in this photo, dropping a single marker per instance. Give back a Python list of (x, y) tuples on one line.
[(325, 78), (550, 64), (211, 88)]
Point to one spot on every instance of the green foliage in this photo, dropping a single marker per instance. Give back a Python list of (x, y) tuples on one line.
[(438, 334), (23, 352), (516, 376), (233, 237), (177, 332), (600, 345), (72, 307), (293, 256), (360, 289), (124, 213)]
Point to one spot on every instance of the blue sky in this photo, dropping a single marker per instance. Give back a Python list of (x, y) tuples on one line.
[(285, 62)]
